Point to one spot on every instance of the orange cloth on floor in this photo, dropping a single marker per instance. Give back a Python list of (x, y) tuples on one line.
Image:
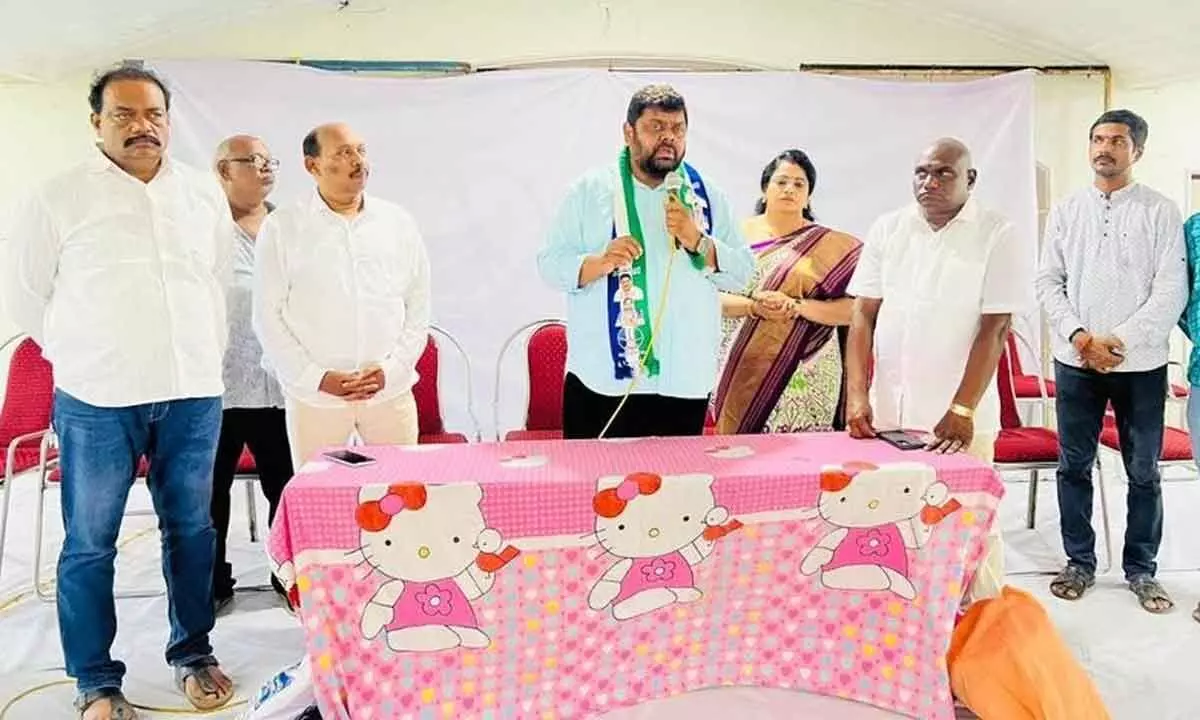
[(1008, 662)]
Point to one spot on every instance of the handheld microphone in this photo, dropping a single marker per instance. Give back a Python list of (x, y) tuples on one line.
[(674, 183)]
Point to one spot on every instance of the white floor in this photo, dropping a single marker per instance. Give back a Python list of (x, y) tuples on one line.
[(1144, 665)]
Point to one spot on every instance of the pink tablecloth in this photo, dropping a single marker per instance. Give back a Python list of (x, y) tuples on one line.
[(568, 579)]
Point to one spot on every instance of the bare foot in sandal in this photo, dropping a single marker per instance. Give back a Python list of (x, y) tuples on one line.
[(1150, 594), (205, 686), (1072, 583)]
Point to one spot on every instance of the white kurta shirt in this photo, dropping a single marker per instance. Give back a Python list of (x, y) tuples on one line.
[(935, 286), (337, 293), (1115, 264), (122, 282)]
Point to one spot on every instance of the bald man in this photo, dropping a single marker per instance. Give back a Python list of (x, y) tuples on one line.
[(252, 414), (341, 303), (936, 289)]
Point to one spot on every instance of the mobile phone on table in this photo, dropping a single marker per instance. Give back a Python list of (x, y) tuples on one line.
[(903, 440), (349, 458)]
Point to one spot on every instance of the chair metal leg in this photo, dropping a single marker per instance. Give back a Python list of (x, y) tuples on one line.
[(1033, 491), (8, 483), (39, 526), (252, 509), (1108, 539)]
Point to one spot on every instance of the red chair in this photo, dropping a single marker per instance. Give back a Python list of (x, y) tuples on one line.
[(1034, 449), (431, 427), (24, 419), (1020, 448), (1027, 387), (546, 365), (246, 472), (1176, 444)]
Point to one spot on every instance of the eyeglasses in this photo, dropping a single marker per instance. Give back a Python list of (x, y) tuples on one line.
[(260, 163)]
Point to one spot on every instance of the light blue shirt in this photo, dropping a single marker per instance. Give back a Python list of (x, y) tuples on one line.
[(688, 337)]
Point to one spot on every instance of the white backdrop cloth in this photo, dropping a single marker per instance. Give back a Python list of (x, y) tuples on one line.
[(483, 160)]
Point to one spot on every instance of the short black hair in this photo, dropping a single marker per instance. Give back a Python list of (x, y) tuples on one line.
[(795, 157), (311, 145), (1139, 130), (126, 71), (662, 97)]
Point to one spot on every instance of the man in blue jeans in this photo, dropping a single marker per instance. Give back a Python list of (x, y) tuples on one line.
[(118, 270), (1114, 282)]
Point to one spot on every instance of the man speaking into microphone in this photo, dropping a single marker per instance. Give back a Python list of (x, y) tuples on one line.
[(642, 246)]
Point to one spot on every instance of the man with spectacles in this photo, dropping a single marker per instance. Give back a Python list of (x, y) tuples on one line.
[(118, 269), (253, 402), (341, 303)]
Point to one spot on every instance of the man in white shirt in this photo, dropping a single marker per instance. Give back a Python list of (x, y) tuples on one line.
[(342, 303), (118, 271), (1114, 282), (936, 288), (253, 402)]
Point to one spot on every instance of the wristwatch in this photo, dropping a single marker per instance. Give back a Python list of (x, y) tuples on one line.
[(962, 411), (703, 246)]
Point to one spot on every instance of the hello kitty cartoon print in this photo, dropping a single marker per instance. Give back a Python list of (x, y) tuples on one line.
[(658, 528), (880, 513), (438, 554)]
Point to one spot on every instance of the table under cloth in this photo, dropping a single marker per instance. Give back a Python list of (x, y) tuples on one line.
[(565, 579)]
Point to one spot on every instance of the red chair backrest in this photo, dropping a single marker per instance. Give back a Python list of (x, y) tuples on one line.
[(29, 394), (1009, 416), (1014, 355), (425, 392), (546, 355)]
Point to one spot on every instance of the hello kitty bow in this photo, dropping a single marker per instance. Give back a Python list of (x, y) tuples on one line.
[(375, 515), (611, 502)]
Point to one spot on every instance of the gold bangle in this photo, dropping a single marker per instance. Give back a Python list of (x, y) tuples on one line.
[(962, 411)]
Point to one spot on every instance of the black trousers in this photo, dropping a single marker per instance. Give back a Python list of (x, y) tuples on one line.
[(1138, 401), (585, 413), (264, 431)]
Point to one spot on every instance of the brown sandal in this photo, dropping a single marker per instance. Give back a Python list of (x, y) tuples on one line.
[(1072, 583), (119, 708), (205, 693), (1151, 595)]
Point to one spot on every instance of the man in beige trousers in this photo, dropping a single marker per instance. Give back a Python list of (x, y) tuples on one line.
[(341, 303)]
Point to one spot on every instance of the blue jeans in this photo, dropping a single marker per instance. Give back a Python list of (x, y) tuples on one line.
[(99, 450), (1138, 402)]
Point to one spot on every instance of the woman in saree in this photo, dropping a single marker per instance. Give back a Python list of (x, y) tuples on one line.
[(781, 358)]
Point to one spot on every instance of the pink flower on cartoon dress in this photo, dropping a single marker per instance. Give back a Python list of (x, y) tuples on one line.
[(434, 600), (874, 543), (659, 571)]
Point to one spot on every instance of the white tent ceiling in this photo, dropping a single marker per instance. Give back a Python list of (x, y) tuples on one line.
[(1147, 42)]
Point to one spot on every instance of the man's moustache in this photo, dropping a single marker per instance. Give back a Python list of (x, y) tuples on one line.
[(139, 138)]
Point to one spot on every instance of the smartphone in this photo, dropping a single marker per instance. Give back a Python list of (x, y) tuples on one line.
[(349, 458), (902, 440)]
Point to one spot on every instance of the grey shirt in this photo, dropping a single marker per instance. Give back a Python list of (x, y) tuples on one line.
[(1115, 265), (247, 383)]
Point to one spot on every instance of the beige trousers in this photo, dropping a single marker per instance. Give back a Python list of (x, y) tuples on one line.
[(989, 578), (310, 428)]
